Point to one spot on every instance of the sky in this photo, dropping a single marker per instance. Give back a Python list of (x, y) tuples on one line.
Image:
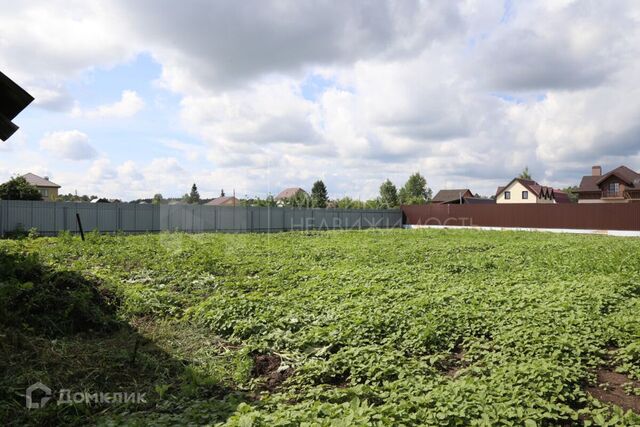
[(144, 97)]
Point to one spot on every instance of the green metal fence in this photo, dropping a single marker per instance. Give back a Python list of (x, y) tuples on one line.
[(49, 218)]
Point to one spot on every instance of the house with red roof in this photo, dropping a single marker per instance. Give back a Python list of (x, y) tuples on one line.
[(521, 190)]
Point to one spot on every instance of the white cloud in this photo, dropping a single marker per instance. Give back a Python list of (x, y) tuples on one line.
[(219, 44), (53, 97), (70, 145), (43, 43), (129, 104), (17, 141), (555, 45)]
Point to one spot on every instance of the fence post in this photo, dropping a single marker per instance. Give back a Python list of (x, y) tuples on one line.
[(1, 218)]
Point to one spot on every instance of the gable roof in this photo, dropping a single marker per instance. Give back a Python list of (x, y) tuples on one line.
[(39, 181), (222, 201), (288, 193), (628, 176), (537, 189), (444, 196), (624, 173)]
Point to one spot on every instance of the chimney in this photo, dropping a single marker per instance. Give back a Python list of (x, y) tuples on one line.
[(46, 178), (596, 170)]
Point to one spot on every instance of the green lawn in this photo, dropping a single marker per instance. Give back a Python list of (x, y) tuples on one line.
[(402, 327)]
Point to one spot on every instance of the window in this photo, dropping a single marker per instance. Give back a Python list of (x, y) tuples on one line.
[(525, 195), (614, 187), (507, 195), (44, 192)]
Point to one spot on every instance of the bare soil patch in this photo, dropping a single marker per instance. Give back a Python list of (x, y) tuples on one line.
[(610, 389), (268, 366)]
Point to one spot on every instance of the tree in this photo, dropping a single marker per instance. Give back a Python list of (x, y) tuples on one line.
[(525, 174), (571, 192), (348, 203), (75, 198), (300, 200), (319, 197), (194, 196), (157, 199), (388, 194), (415, 191), (269, 201), (18, 188)]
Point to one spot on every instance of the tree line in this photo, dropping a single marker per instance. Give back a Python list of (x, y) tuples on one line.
[(414, 191)]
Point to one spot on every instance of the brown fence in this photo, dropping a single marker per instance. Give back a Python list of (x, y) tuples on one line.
[(570, 216)]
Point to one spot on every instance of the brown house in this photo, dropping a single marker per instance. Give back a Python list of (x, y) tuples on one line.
[(289, 193), (48, 189), (459, 196), (224, 201), (621, 185)]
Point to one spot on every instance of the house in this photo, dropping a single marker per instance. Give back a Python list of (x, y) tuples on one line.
[(620, 185), (528, 191), (48, 189), (224, 201), (459, 196), (453, 196), (289, 193)]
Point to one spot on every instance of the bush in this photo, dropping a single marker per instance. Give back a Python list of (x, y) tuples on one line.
[(50, 303), (19, 189)]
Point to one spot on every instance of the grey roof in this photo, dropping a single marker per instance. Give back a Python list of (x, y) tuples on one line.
[(444, 196), (39, 181), (478, 201), (288, 193)]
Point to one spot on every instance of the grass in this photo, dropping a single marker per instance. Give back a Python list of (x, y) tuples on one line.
[(402, 327)]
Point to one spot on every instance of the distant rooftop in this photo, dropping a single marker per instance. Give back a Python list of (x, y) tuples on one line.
[(39, 181), (224, 201), (288, 193)]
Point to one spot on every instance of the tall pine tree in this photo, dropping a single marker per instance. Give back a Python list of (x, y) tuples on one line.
[(319, 196), (194, 196)]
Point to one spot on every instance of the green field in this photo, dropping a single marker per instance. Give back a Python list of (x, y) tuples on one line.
[(390, 327)]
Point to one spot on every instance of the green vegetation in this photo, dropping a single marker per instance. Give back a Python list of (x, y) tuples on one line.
[(18, 188), (525, 174), (319, 196), (375, 327), (388, 195), (415, 191), (193, 197), (572, 192)]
